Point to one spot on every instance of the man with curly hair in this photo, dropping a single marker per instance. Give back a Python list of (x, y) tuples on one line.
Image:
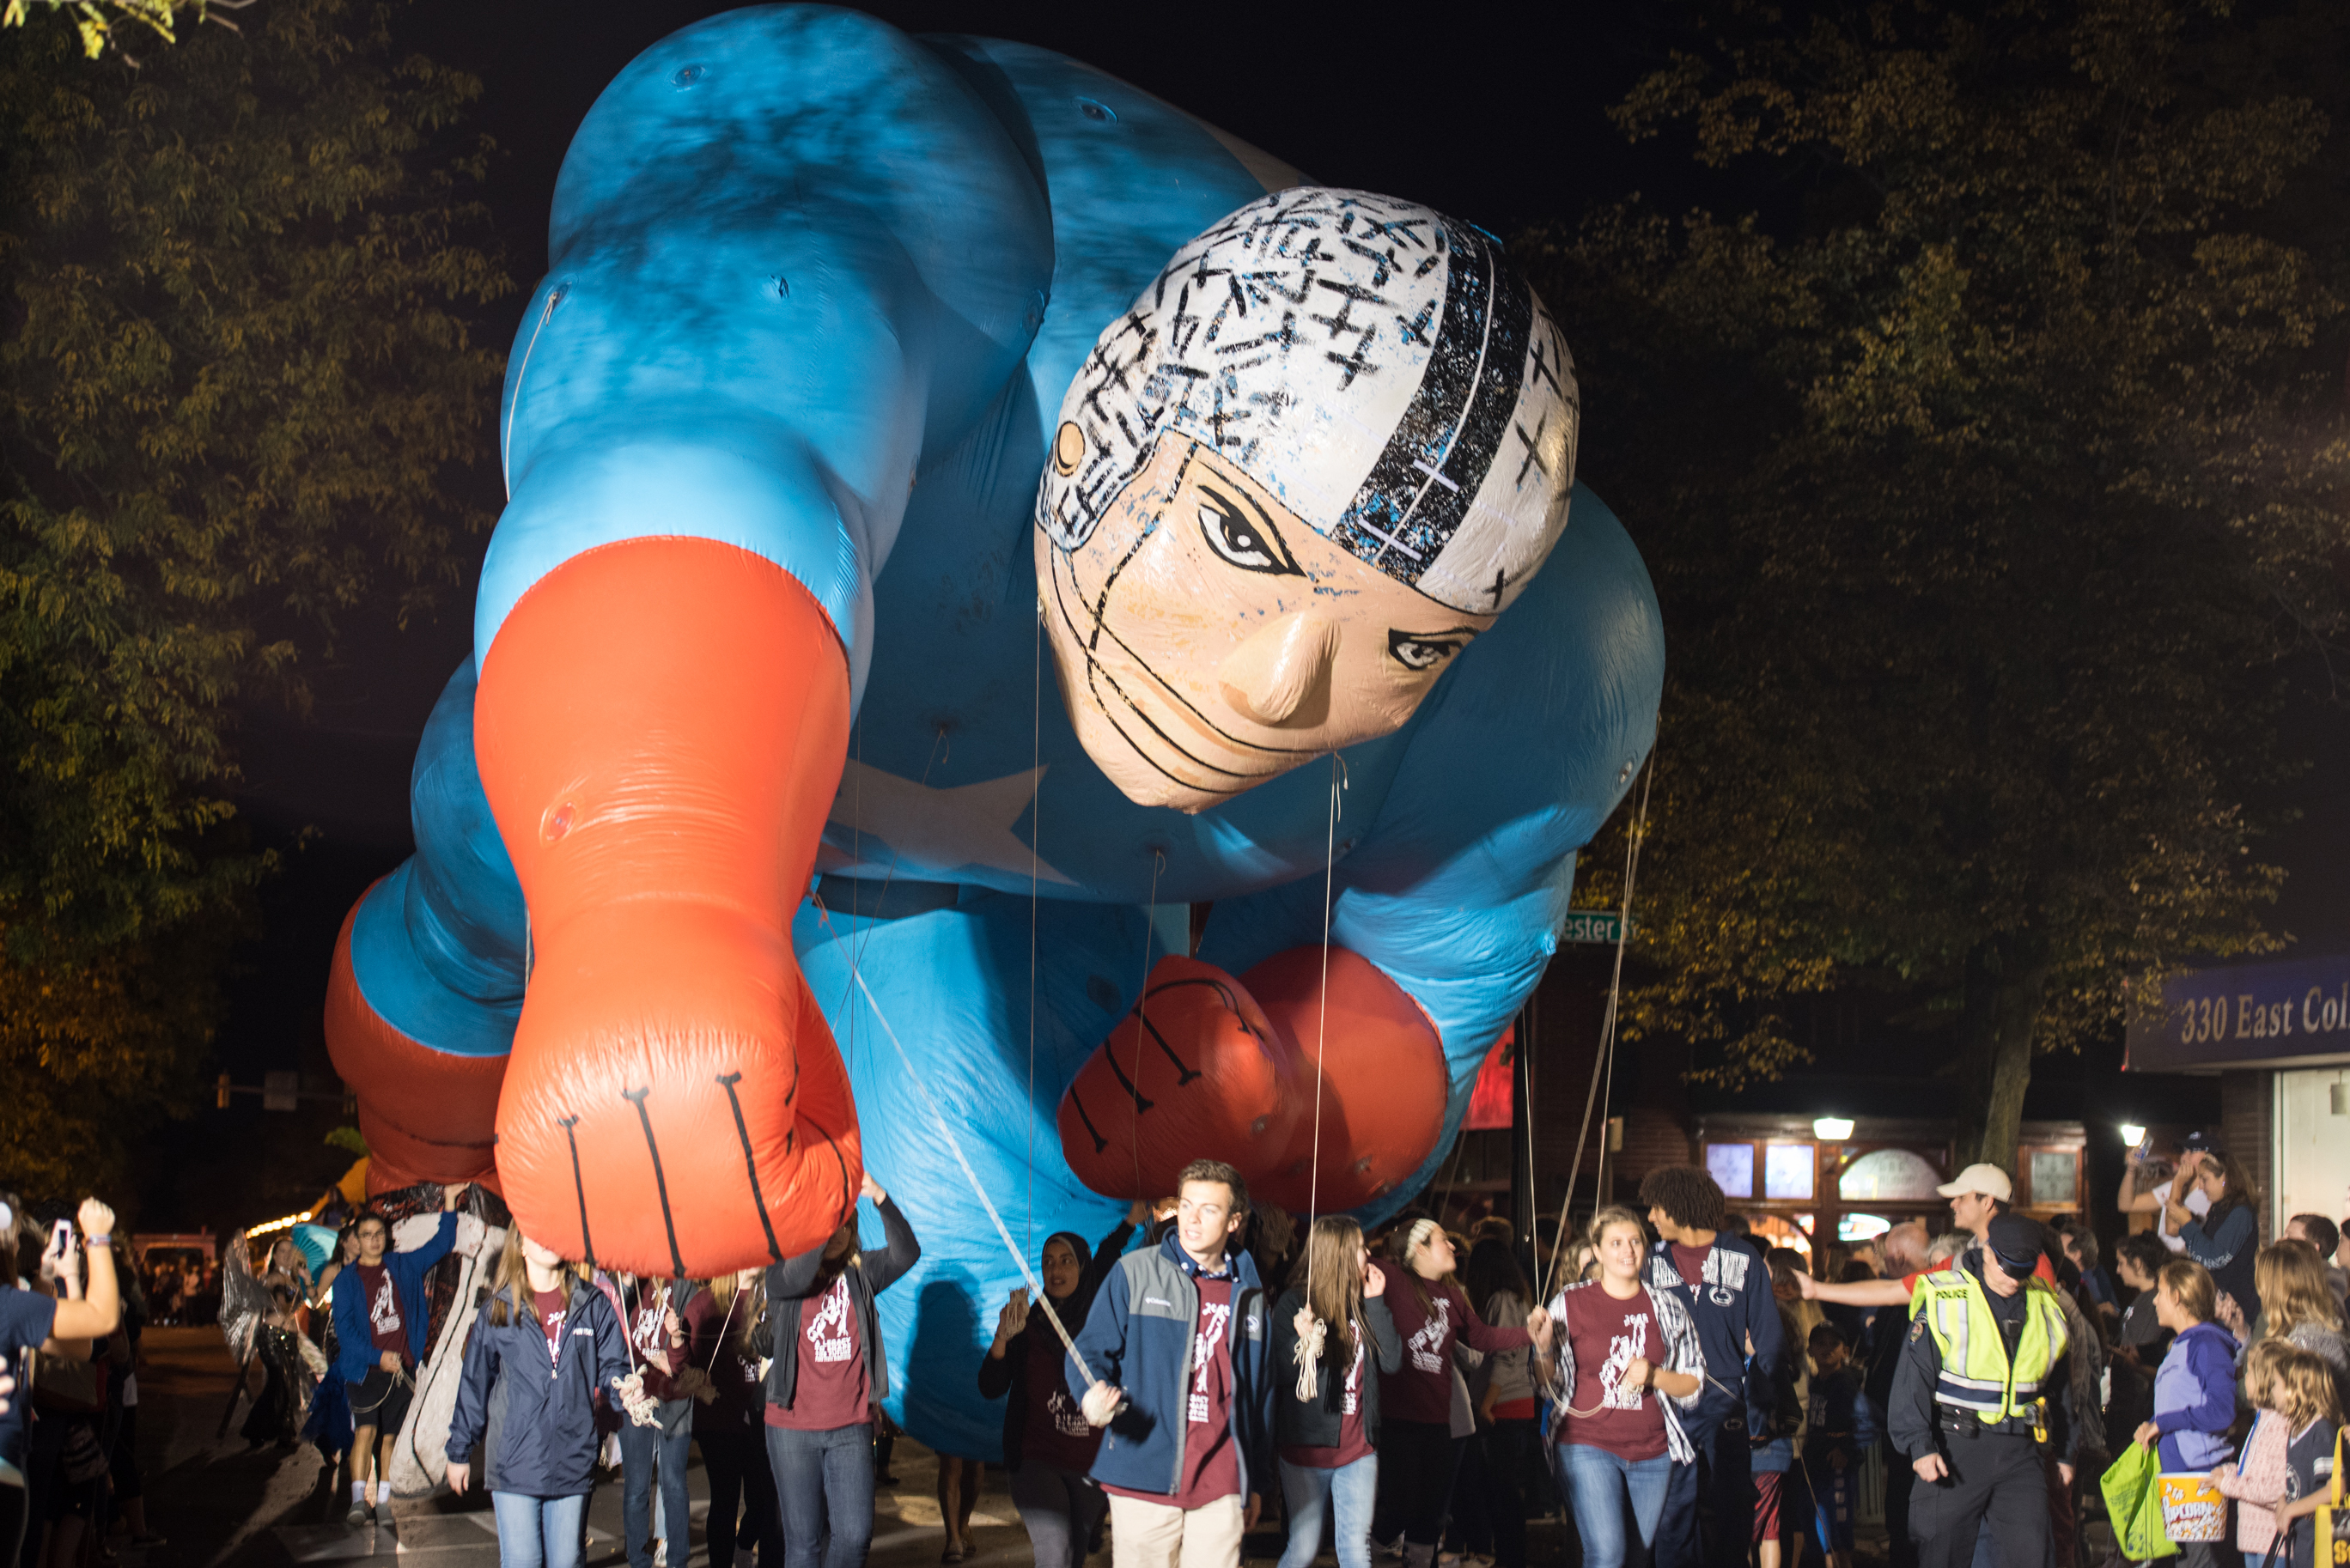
[(1710, 1505)]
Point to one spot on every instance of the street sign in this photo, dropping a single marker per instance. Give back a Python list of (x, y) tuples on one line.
[(281, 1091), (1592, 926)]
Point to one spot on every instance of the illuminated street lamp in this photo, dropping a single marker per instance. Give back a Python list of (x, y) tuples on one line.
[(1832, 1129), (2133, 1134)]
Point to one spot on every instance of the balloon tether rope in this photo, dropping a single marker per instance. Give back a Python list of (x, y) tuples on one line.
[(954, 1146), (1638, 830), (1309, 1345)]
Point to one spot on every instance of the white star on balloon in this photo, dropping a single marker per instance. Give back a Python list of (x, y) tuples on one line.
[(936, 831)]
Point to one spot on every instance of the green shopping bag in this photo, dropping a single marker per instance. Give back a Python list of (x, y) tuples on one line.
[(2133, 1488)]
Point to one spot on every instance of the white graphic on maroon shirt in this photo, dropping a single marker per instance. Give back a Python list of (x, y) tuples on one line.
[(1623, 1349), (383, 1313), (828, 1334), (1427, 1346), (1353, 1392), (1068, 1419), (1214, 1315), (553, 1324)]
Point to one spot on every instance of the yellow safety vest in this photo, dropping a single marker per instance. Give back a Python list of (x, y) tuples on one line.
[(1976, 1374)]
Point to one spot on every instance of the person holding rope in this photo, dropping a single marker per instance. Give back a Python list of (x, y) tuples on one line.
[(542, 1345), (655, 1455), (383, 1324), (1048, 1445), (1630, 1368), (1329, 1324), (1433, 1316), (1172, 1362), (1721, 1281), (729, 1416), (827, 1375)]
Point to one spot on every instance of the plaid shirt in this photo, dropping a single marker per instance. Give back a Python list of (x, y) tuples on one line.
[(1682, 1353)]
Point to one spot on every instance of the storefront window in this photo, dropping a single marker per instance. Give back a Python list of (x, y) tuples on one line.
[(1787, 1171), (1887, 1175), (1732, 1166), (2056, 1176)]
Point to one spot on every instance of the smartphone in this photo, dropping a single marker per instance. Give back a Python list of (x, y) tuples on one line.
[(60, 1237)]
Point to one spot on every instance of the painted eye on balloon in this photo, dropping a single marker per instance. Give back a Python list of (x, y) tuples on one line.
[(1420, 651), (1242, 535)]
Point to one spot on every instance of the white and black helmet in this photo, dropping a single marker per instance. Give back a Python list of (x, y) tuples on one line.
[(1375, 365)]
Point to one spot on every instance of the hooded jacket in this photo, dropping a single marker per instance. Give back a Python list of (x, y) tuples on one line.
[(1139, 1337), (796, 1279), (2195, 1398), (535, 1414), (354, 1352), (1731, 1303), (1007, 1375)]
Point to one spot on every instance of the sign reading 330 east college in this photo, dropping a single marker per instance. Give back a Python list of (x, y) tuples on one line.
[(2246, 1015)]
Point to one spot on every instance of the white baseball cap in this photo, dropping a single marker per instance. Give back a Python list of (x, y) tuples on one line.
[(1986, 1179)]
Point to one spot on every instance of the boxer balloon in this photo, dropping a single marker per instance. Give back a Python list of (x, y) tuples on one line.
[(872, 376)]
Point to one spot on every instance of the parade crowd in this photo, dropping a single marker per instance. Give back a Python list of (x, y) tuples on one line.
[(1679, 1392)]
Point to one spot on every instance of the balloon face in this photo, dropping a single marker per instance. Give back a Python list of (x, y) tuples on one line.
[(1207, 639), (1330, 443)]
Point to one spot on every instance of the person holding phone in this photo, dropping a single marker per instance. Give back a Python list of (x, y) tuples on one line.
[(1048, 1444), (39, 1320)]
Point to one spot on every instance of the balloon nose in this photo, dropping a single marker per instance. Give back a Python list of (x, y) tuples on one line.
[(1281, 674)]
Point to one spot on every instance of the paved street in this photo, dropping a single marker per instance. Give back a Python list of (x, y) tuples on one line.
[(220, 1503)]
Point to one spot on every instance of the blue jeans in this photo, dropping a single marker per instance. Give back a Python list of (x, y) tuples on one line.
[(539, 1531), (1597, 1487), (640, 1447), (824, 1486), (1310, 1493)]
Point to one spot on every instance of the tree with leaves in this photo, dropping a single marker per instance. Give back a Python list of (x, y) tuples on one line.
[(240, 376), (1987, 477)]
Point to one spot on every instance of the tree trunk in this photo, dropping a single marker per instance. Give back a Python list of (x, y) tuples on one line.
[(2005, 979)]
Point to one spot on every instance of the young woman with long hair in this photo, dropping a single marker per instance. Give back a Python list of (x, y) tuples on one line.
[(729, 1425), (2228, 1234), (1048, 1444), (542, 1345), (825, 1373), (2194, 1390), (1431, 1316), (1629, 1361), (1328, 1441), (2301, 1304)]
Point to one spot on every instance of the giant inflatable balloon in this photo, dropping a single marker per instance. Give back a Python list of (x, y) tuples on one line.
[(970, 524)]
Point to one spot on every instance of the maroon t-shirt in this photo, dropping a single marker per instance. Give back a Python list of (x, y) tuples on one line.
[(831, 1391), (715, 1347), (1607, 1335), (1421, 1390), (1055, 1432), (552, 1306), (1211, 1469), (1354, 1437), (382, 1298), (1690, 1261)]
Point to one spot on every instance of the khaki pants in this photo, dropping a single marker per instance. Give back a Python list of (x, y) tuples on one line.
[(1154, 1535)]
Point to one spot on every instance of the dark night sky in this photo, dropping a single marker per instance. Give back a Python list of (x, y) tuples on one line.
[(1492, 113)]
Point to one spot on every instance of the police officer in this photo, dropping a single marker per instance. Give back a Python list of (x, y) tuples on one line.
[(1983, 1392)]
